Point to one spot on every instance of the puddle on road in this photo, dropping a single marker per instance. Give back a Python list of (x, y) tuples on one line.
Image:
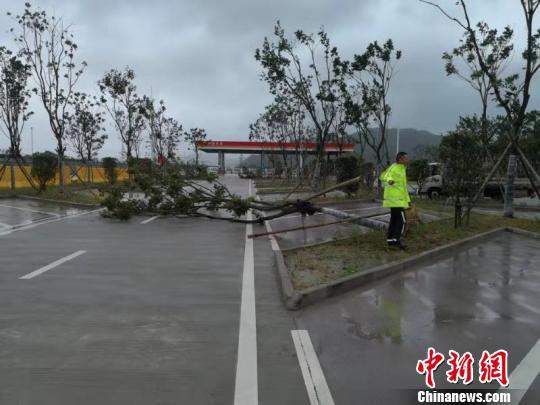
[(16, 212)]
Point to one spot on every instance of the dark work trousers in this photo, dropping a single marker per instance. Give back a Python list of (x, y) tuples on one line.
[(396, 227)]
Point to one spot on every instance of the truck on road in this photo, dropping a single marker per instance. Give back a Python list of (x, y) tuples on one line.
[(434, 185)]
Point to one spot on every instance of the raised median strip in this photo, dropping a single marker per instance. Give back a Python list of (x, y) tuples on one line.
[(295, 299)]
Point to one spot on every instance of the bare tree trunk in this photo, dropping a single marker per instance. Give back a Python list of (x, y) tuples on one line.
[(316, 180), (533, 176), (89, 172), (490, 175), (3, 170), (20, 162), (61, 173), (509, 188), (12, 173)]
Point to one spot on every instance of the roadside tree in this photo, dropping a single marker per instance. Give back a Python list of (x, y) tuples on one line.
[(85, 130), (316, 81), (14, 112), (193, 136), (512, 92), (462, 174), (44, 168), (49, 48), (125, 107)]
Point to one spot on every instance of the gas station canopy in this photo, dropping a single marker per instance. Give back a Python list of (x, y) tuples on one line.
[(270, 147)]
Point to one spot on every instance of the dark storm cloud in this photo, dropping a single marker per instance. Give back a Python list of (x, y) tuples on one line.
[(198, 55)]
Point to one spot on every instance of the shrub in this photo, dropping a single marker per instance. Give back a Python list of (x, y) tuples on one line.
[(347, 168), (418, 171), (109, 166), (44, 168)]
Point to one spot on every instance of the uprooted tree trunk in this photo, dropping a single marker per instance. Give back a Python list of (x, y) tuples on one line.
[(168, 192)]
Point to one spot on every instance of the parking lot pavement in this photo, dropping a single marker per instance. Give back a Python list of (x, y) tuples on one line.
[(16, 212), (143, 314), (483, 298), (298, 238), (280, 379)]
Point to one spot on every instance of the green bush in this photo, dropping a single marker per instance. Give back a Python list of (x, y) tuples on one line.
[(347, 168), (109, 166), (44, 168), (418, 171)]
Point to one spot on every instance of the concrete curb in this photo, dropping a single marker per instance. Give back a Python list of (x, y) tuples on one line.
[(61, 202), (297, 299)]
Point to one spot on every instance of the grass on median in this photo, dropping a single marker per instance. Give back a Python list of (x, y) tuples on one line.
[(328, 262)]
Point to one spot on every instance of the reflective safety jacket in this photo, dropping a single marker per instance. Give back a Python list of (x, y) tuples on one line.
[(395, 195)]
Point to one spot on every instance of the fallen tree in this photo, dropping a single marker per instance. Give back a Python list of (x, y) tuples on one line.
[(168, 191)]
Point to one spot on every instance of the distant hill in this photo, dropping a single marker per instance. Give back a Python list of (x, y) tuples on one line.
[(410, 140)]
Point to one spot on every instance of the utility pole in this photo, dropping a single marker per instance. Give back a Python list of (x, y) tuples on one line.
[(397, 141), (32, 140)]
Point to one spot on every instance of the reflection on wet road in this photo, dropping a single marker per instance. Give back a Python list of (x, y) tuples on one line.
[(482, 298), (17, 212)]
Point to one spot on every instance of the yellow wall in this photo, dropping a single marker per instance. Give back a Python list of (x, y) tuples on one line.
[(98, 176)]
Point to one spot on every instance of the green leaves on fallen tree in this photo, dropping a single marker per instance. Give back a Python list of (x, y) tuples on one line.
[(173, 191)]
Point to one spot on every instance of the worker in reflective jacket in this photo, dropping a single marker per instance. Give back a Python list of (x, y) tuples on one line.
[(396, 197)]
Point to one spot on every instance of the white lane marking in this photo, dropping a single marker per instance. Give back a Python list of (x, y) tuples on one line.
[(317, 388), (5, 226), (246, 390), (52, 265), (54, 214), (37, 223), (524, 374), (149, 220)]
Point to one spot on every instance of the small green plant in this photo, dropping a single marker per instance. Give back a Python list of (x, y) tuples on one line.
[(350, 269), (44, 167), (109, 166), (418, 171), (347, 168)]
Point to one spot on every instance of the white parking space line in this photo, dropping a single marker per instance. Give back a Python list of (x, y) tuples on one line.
[(54, 214), (52, 265), (419, 296), (526, 306), (524, 374), (317, 388), (149, 220), (246, 390), (48, 221)]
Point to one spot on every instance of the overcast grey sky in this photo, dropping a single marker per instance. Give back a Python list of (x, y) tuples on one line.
[(198, 55)]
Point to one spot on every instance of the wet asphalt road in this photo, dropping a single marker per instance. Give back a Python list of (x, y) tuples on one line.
[(483, 298), (150, 314)]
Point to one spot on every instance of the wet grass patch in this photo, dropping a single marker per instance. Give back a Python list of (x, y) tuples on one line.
[(322, 264)]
